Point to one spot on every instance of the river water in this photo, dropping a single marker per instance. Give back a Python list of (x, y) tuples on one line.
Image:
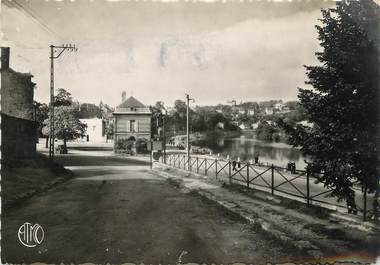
[(246, 146)]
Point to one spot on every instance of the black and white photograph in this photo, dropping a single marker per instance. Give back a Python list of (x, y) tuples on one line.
[(177, 132)]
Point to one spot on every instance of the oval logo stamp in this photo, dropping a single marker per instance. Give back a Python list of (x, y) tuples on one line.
[(30, 235)]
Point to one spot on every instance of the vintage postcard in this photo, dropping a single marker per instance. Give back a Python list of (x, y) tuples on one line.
[(190, 132)]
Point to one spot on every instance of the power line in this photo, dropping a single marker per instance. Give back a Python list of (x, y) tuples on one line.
[(35, 18)]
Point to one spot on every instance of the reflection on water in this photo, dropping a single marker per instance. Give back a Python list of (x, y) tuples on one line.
[(246, 147)]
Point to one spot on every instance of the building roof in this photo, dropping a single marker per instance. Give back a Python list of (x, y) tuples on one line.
[(131, 102)]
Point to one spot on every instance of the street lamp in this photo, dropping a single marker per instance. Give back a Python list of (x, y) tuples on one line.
[(187, 129), (163, 112)]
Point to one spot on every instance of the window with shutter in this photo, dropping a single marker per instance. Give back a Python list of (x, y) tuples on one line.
[(136, 126)]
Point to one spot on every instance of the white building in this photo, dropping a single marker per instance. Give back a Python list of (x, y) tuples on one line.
[(241, 111), (278, 106), (306, 124), (242, 126), (255, 125), (95, 131), (251, 112), (268, 111), (220, 125)]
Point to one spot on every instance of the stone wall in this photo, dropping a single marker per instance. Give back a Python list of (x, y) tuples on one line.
[(18, 138), (17, 91)]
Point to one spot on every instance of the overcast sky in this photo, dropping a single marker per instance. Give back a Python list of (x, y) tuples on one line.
[(250, 51)]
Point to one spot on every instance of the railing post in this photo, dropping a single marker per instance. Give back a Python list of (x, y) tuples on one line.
[(365, 203), (216, 168), (206, 166), (248, 175), (197, 164), (308, 187), (151, 159), (272, 180), (229, 172)]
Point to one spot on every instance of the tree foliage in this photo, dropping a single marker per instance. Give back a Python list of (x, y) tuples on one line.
[(41, 112), (343, 104), (62, 98), (67, 125)]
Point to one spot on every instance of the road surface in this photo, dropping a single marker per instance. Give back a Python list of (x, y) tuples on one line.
[(114, 210)]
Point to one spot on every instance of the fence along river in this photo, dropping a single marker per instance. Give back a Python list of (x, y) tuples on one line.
[(299, 185)]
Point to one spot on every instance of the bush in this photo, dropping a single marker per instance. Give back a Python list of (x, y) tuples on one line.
[(141, 146), (124, 145), (265, 131), (131, 145)]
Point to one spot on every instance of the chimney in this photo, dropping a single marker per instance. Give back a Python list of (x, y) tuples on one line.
[(4, 58), (123, 96)]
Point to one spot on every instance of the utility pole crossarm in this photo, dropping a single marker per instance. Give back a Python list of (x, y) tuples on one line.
[(68, 47)]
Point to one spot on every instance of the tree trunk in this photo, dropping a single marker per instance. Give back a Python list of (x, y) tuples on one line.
[(64, 143), (376, 201), (47, 142)]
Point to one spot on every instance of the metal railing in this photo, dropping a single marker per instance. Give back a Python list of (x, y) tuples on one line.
[(299, 185)]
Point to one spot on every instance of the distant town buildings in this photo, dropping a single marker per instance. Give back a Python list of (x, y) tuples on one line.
[(279, 106), (132, 120), (18, 128)]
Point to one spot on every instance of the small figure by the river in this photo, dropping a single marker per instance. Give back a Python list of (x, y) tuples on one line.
[(257, 157), (351, 205), (239, 163), (234, 165), (291, 167)]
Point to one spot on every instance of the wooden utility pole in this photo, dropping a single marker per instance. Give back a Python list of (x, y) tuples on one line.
[(59, 50)]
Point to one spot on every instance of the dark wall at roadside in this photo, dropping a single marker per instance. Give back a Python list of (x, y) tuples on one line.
[(18, 138)]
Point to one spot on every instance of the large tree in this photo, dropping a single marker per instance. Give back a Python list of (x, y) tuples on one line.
[(343, 103), (67, 125)]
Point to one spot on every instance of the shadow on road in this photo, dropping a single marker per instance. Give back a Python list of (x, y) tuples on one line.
[(87, 160), (91, 148)]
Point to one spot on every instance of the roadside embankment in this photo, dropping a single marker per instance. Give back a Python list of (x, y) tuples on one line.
[(319, 233), (25, 178)]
